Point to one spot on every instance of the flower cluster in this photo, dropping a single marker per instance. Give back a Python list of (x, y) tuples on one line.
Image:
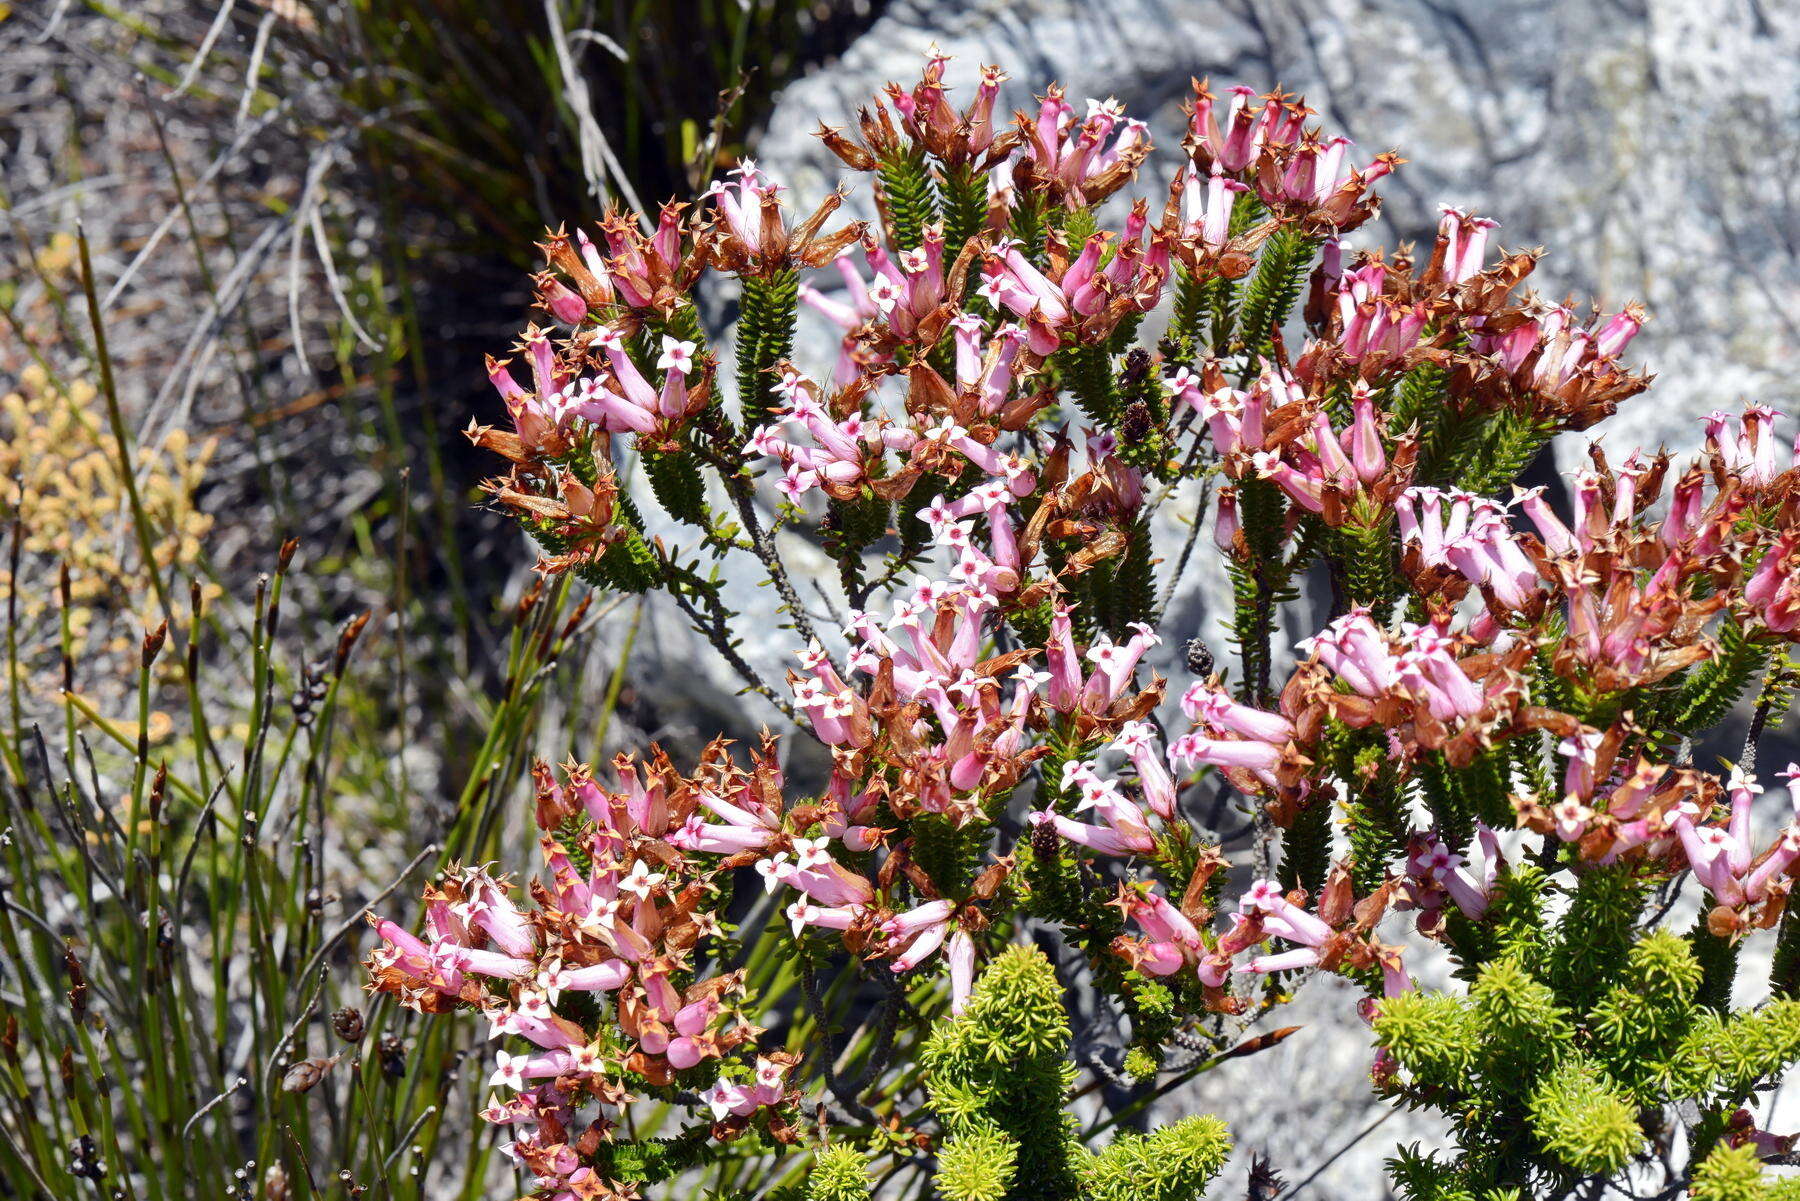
[(601, 977), (988, 465)]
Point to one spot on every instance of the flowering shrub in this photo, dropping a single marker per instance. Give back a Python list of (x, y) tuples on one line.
[(1029, 371)]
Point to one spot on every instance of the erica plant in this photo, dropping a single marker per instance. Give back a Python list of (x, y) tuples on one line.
[(1490, 746)]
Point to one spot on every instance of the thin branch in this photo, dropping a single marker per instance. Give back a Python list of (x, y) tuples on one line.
[(307, 1013), (1187, 547), (1313, 1175), (763, 543), (350, 923), (841, 1089), (206, 44), (210, 1106), (712, 627)]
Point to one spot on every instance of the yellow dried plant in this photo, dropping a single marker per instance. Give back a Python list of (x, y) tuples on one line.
[(67, 504)]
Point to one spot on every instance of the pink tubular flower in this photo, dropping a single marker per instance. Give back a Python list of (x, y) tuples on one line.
[(1750, 451), (1687, 504), (511, 1071), (535, 420), (1558, 539), (1358, 651), (532, 1019), (961, 957), (1074, 155), (1724, 860), (1126, 831), (832, 884), (1375, 330), (1229, 735), (1114, 665), (986, 365), (605, 976), (1440, 517), (488, 907), (1258, 757), (1431, 673), (1171, 941), (1215, 965), (741, 829), (907, 290), (1273, 387), (838, 713), (688, 1047), (1435, 872), (850, 315), (1773, 590), (1581, 750), (1065, 665), (1088, 291), (1231, 144), (1227, 521), (1010, 280), (1281, 916), (623, 401), (718, 839), (1223, 410), (1489, 555), (918, 933), (931, 913), (564, 303), (587, 268), (548, 405), (804, 913), (440, 968), (1138, 740), (947, 433), (1553, 351), (1470, 534), (1215, 709), (1319, 173), (1305, 486), (741, 204), (1286, 920), (732, 1098), (1368, 457), (844, 453), (1461, 244), (636, 264), (1205, 208), (521, 1109), (1394, 979)]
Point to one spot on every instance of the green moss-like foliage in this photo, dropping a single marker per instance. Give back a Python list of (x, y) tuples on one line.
[(839, 1173), (1002, 1068), (1584, 1120), (1729, 1174), (1550, 1074), (999, 1078), (978, 1166), (1170, 1164)]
